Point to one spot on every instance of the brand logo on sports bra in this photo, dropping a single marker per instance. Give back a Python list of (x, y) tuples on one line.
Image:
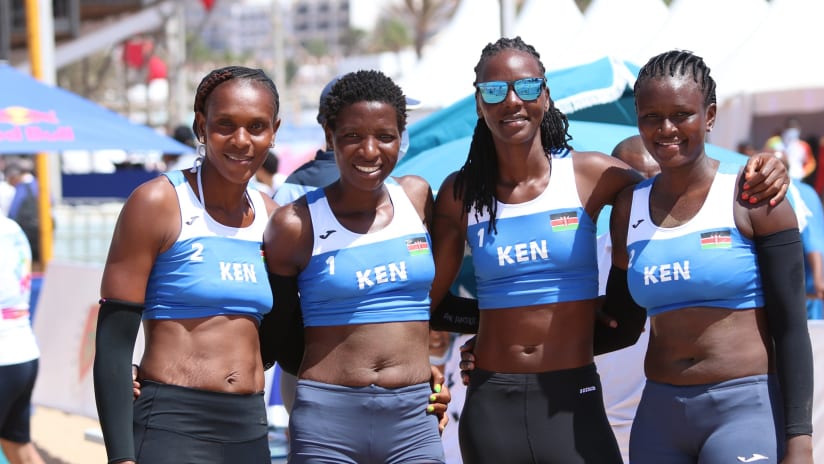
[(635, 226), (326, 234), (191, 220)]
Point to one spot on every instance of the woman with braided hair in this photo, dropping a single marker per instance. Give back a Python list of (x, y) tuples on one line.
[(529, 219), (729, 363), (186, 259)]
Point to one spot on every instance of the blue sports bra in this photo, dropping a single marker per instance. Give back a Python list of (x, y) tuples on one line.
[(382, 276), (211, 269), (705, 262), (544, 250)]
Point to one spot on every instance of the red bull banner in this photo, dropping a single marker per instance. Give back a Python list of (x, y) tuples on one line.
[(21, 124), (39, 118)]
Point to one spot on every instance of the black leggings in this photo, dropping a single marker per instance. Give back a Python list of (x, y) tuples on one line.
[(16, 385), (546, 418), (177, 425)]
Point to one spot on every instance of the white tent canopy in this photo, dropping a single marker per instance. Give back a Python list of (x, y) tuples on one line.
[(779, 71), (445, 73), (549, 26), (737, 19), (614, 28)]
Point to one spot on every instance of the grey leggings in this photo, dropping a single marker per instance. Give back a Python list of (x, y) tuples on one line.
[(730, 421)]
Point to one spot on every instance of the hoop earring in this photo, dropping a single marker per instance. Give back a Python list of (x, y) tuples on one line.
[(201, 155)]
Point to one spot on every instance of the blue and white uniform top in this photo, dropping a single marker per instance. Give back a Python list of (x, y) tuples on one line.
[(544, 249), (381, 276), (705, 262), (211, 269), (17, 341)]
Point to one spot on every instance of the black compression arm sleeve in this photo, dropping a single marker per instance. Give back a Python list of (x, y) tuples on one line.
[(618, 305), (281, 331), (781, 263), (117, 326), (455, 314)]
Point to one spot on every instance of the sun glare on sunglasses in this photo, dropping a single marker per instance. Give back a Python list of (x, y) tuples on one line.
[(527, 89)]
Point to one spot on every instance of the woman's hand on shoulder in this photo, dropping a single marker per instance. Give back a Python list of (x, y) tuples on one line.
[(762, 218), (766, 178)]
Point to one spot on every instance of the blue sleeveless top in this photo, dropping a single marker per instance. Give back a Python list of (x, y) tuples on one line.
[(211, 269), (544, 250), (382, 276), (704, 262)]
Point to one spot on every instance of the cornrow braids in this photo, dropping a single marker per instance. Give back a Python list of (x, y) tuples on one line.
[(477, 178), (359, 86), (221, 75), (681, 63)]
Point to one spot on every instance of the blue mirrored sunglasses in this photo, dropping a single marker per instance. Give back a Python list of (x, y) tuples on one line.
[(527, 89)]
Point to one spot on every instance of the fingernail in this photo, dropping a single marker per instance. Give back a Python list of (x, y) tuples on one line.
[(744, 196), (746, 186), (753, 200), (432, 398), (430, 408), (772, 203), (437, 388)]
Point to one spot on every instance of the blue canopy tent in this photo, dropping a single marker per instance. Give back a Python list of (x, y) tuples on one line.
[(36, 117), (39, 118), (600, 91)]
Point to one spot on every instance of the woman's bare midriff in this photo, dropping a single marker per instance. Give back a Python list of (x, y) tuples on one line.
[(536, 338), (390, 355), (696, 346), (219, 353)]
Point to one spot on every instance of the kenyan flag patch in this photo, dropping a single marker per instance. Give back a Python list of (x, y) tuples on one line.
[(417, 246), (567, 220), (716, 239)]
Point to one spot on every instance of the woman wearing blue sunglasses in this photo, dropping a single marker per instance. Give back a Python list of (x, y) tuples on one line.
[(529, 219)]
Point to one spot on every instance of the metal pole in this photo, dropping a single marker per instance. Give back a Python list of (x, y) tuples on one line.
[(507, 18), (40, 35)]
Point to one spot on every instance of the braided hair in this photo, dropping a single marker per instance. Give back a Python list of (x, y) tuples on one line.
[(221, 75), (359, 86), (477, 178), (681, 63)]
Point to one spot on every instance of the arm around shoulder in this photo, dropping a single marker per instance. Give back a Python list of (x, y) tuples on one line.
[(448, 232), (287, 244), (618, 305)]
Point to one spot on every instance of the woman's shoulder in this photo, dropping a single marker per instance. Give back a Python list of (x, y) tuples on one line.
[(414, 186), (155, 193)]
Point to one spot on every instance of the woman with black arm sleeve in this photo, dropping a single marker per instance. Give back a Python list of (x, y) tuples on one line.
[(186, 259), (729, 362), (526, 203)]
